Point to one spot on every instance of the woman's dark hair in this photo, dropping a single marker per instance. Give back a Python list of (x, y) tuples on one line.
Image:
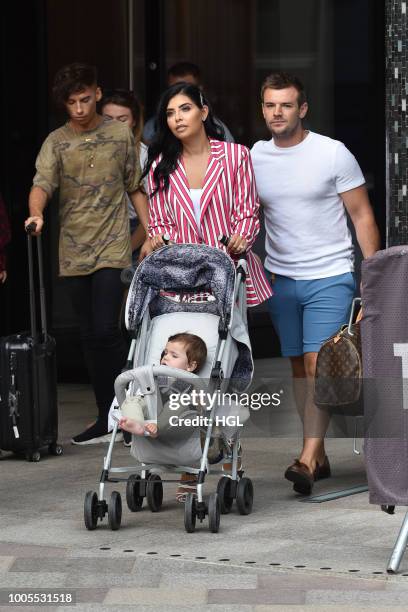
[(72, 79), (126, 98), (165, 143)]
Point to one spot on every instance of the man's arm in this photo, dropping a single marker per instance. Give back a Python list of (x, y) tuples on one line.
[(359, 208), (140, 204), (139, 201), (37, 201), (137, 238)]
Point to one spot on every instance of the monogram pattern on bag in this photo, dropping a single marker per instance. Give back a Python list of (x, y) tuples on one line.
[(338, 379)]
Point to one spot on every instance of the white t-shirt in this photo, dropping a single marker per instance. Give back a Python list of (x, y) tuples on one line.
[(306, 225), (195, 195), (142, 160)]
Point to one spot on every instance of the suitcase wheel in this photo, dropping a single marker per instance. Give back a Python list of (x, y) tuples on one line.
[(55, 449), (35, 456)]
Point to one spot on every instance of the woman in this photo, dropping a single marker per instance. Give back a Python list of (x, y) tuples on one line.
[(201, 188), (122, 105)]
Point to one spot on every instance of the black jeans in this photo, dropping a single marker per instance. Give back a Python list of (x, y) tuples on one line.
[(97, 300)]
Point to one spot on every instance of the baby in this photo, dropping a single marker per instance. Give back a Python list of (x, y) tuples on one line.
[(183, 351)]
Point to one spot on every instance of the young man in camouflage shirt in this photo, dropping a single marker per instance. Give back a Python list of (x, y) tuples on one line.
[(92, 162)]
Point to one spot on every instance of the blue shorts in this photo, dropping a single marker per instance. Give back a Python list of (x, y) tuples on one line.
[(306, 312)]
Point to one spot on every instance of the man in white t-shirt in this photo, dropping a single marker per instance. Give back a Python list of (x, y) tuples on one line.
[(306, 182)]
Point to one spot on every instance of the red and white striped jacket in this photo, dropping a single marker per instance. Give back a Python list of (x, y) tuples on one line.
[(229, 205)]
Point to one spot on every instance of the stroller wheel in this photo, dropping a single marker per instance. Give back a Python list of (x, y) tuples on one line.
[(214, 513), (115, 511), (245, 496), (190, 513), (224, 490), (154, 492), (133, 498), (91, 510)]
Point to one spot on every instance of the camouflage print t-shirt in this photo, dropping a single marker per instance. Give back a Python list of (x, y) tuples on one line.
[(93, 170)]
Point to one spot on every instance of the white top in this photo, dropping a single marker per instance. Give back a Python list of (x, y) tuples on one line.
[(306, 226), (195, 195), (143, 160)]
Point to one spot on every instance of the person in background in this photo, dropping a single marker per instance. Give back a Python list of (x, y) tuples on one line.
[(93, 163), (183, 72), (5, 236), (122, 105)]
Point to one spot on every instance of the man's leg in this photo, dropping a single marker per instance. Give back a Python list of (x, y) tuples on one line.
[(97, 299), (315, 421), (299, 383), (326, 304), (106, 343)]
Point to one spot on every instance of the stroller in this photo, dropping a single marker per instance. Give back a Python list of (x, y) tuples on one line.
[(176, 289)]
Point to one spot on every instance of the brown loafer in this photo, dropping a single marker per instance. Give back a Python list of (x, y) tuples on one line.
[(303, 479)]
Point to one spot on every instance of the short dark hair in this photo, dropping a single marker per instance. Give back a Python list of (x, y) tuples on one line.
[(281, 80), (73, 78), (196, 349), (182, 68), (126, 98)]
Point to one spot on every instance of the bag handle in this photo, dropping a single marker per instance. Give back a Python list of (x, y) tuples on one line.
[(356, 302)]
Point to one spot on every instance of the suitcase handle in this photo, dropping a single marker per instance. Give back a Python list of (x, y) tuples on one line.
[(33, 312)]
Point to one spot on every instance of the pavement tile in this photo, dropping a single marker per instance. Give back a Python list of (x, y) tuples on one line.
[(30, 550), (256, 596), (91, 595), (328, 608), (29, 608), (214, 581), (89, 565), (112, 580), (309, 582), (168, 566), (172, 597), (385, 598), (5, 563), (162, 607), (398, 583), (34, 580)]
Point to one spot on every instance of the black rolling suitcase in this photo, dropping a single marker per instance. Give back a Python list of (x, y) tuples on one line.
[(28, 381)]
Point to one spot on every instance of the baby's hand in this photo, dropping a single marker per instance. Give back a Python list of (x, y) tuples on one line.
[(151, 428), (131, 426)]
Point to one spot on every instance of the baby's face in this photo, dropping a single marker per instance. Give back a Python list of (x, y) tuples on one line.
[(175, 356)]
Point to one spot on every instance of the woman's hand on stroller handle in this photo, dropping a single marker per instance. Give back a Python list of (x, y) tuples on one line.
[(159, 240), (236, 244)]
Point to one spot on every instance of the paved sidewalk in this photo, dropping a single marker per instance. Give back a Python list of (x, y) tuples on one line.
[(287, 555)]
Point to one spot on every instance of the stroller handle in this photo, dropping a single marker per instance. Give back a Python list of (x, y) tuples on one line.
[(144, 377), (225, 241)]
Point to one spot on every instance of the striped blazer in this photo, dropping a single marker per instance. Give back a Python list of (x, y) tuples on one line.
[(229, 205)]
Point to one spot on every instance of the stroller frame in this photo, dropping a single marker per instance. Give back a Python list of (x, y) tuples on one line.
[(144, 479)]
